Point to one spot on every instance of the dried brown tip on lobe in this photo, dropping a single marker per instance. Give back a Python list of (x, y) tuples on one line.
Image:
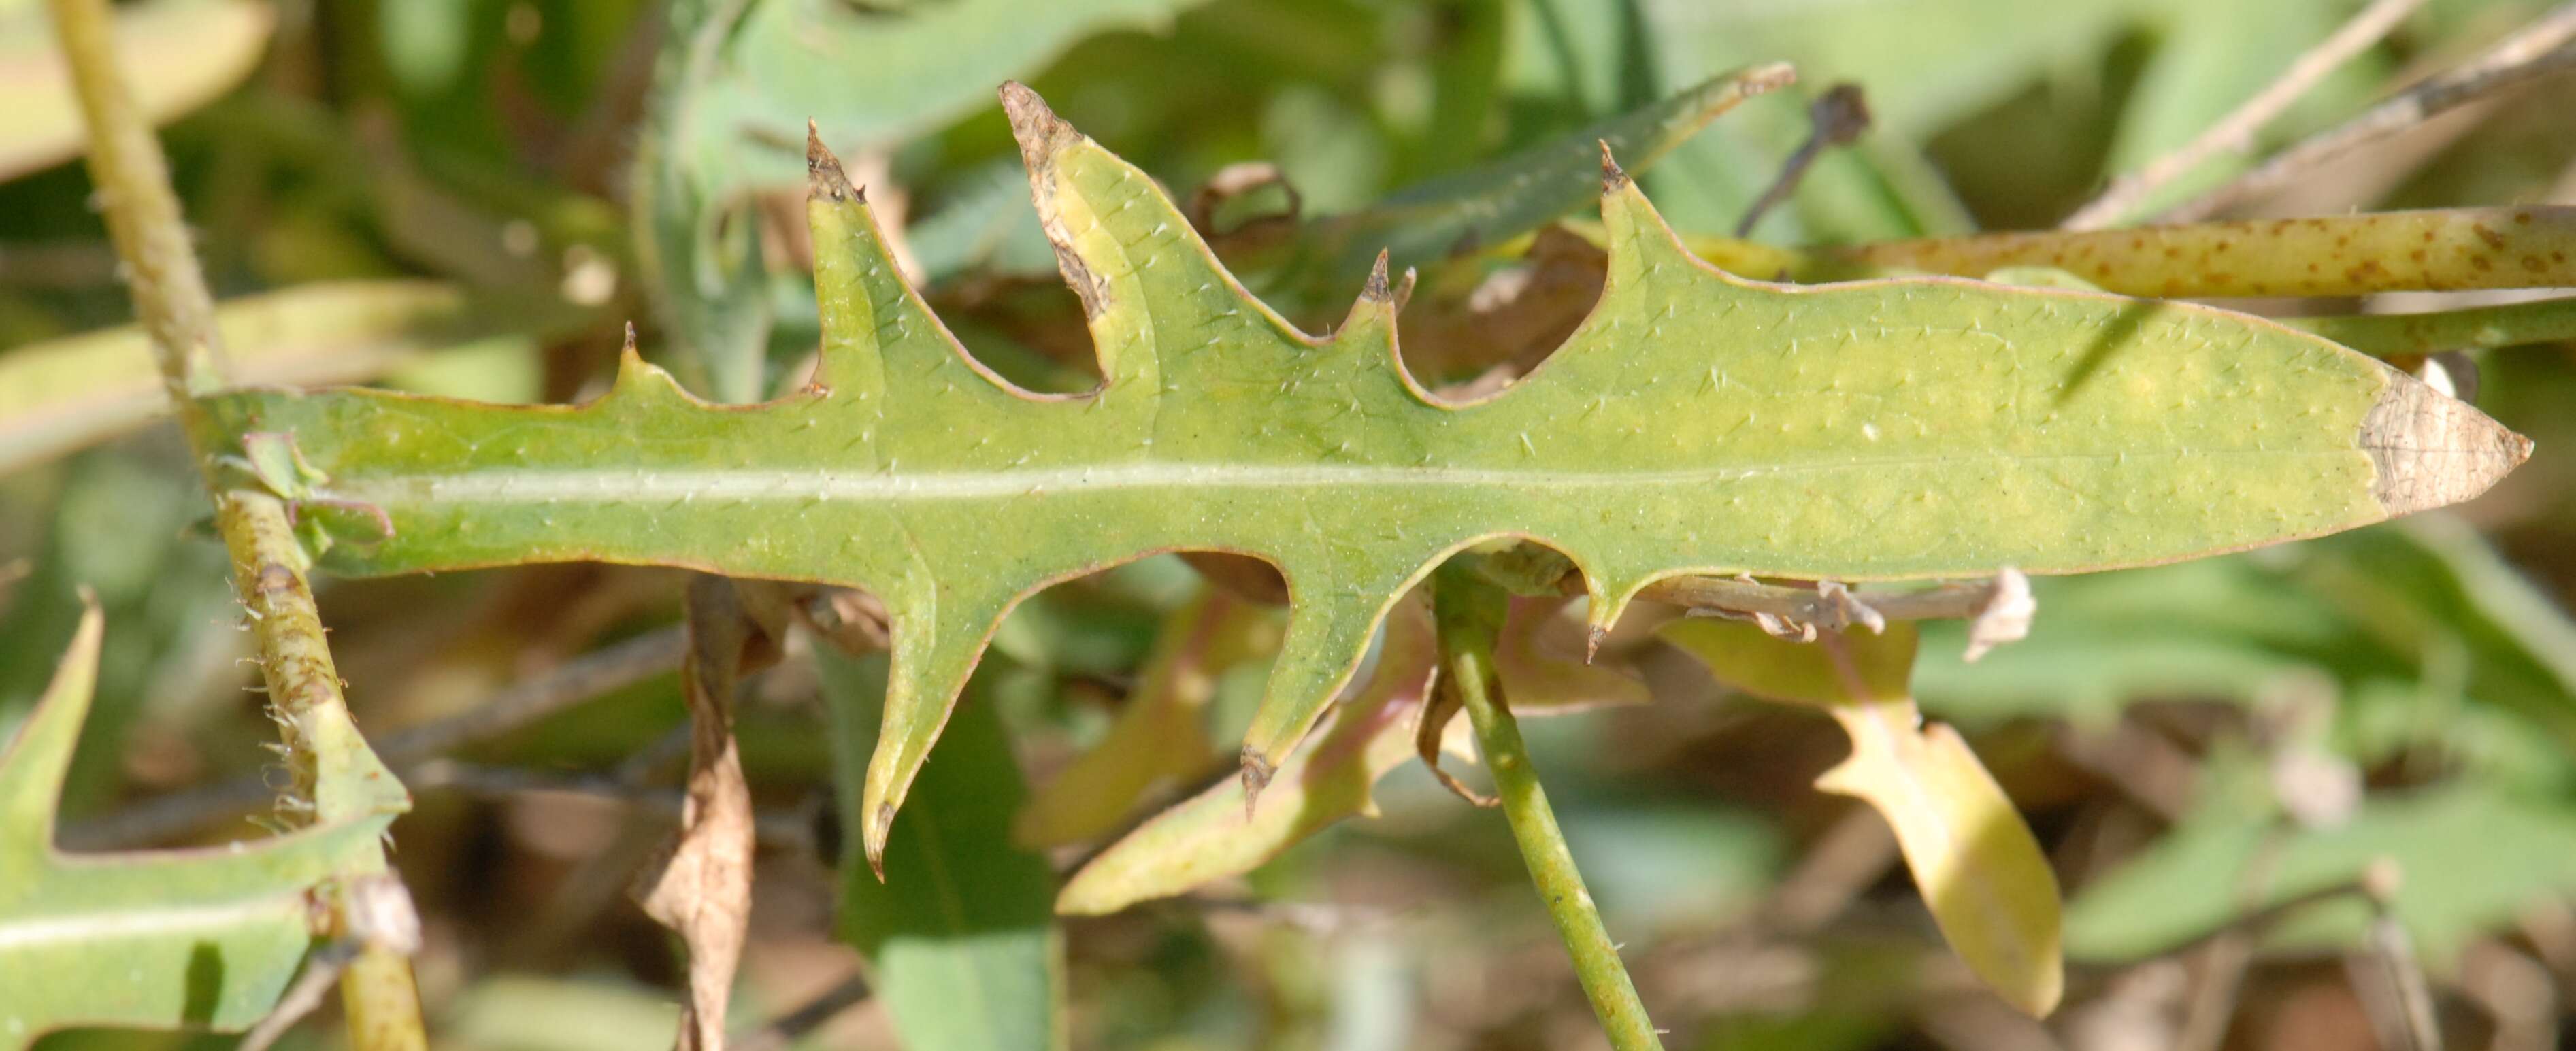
[(630, 338), (1375, 290), (1256, 776), (1613, 179), (1404, 289), (879, 824), (1040, 132), (2431, 449), (824, 180), (1769, 77)]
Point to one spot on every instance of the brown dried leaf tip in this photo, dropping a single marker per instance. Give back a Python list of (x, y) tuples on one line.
[(824, 179), (1257, 773), (1040, 132), (1613, 178), (2432, 449), (1376, 290)]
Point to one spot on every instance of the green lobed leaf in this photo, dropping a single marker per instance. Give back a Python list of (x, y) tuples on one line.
[(1695, 422), (204, 938), (957, 927)]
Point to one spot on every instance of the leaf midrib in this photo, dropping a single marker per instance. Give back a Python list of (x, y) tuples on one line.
[(545, 486)]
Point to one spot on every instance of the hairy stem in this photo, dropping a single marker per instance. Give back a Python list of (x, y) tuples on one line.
[(333, 769), (1470, 612)]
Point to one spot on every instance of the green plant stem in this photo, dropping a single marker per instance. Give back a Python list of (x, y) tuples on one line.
[(2468, 328), (333, 769), (1470, 611)]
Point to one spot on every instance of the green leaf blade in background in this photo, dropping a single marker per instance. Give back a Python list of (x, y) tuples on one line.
[(197, 49), (959, 929), (2469, 858), (63, 394), (204, 938), (1694, 423), (1513, 195)]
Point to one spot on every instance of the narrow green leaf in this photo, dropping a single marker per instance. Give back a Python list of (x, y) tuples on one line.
[(1502, 200), (1694, 423), (2214, 55), (62, 394), (2466, 328), (202, 938), (2470, 860), (965, 951), (2401, 623), (196, 50)]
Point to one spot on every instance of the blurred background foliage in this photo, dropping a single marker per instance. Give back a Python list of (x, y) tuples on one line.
[(468, 196)]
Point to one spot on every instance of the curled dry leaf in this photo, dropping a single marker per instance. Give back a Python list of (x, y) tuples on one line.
[(1980, 869), (702, 890), (2005, 617)]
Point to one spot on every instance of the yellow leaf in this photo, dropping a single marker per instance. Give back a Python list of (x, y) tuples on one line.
[(1979, 867)]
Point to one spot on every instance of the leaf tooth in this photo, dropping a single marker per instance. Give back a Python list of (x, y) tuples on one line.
[(876, 329), (638, 378), (1373, 312), (1613, 177), (1639, 242), (824, 179), (1154, 294), (32, 766), (1368, 333), (939, 637), (1605, 601), (1328, 633), (850, 260)]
